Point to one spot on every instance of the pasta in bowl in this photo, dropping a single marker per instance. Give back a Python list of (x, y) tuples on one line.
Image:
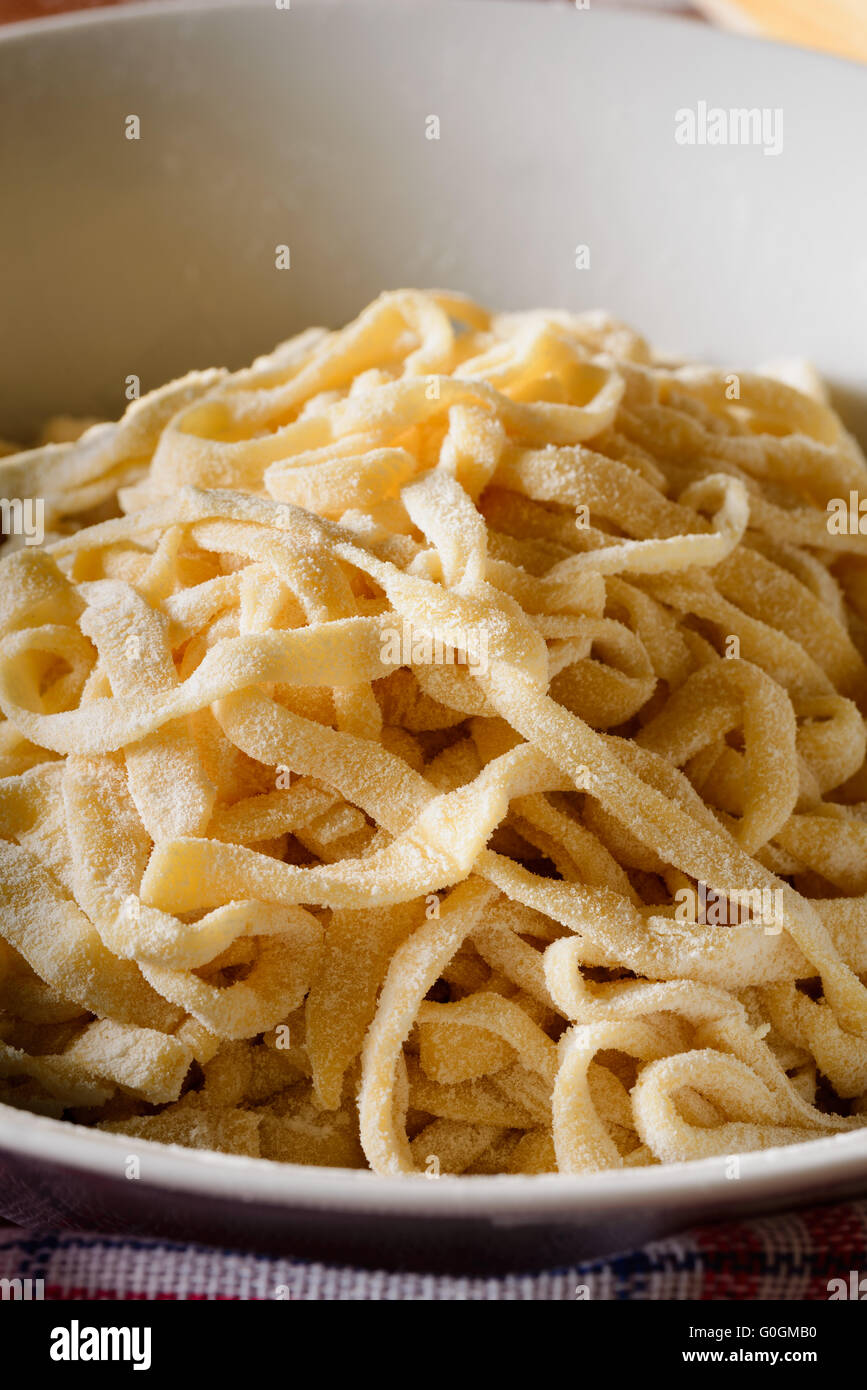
[(438, 747)]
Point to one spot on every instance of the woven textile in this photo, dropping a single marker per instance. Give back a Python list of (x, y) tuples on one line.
[(785, 1257)]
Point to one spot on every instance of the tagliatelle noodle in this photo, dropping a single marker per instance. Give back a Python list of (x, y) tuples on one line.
[(452, 744), (75, 477)]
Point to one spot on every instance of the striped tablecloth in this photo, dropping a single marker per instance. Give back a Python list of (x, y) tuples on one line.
[(789, 1257)]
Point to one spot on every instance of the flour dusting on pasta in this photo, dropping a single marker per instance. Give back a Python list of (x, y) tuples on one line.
[(438, 747)]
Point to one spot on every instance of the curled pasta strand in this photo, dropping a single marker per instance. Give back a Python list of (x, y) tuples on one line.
[(388, 729)]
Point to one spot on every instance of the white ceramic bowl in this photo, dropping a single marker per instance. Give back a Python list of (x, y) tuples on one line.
[(307, 127)]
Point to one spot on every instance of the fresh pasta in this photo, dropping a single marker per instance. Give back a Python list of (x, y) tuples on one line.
[(439, 747)]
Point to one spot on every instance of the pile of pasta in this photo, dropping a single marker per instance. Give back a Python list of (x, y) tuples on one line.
[(275, 884)]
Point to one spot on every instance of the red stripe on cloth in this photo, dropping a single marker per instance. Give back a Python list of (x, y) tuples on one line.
[(74, 1292), (67, 1291), (837, 1239), (734, 1259), (207, 1297)]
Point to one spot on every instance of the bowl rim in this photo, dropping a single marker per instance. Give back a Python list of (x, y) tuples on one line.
[(128, 12), (761, 1175)]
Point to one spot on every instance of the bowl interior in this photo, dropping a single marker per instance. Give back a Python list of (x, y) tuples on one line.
[(309, 128)]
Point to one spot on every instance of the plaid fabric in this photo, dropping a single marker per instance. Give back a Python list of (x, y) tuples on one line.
[(785, 1257)]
